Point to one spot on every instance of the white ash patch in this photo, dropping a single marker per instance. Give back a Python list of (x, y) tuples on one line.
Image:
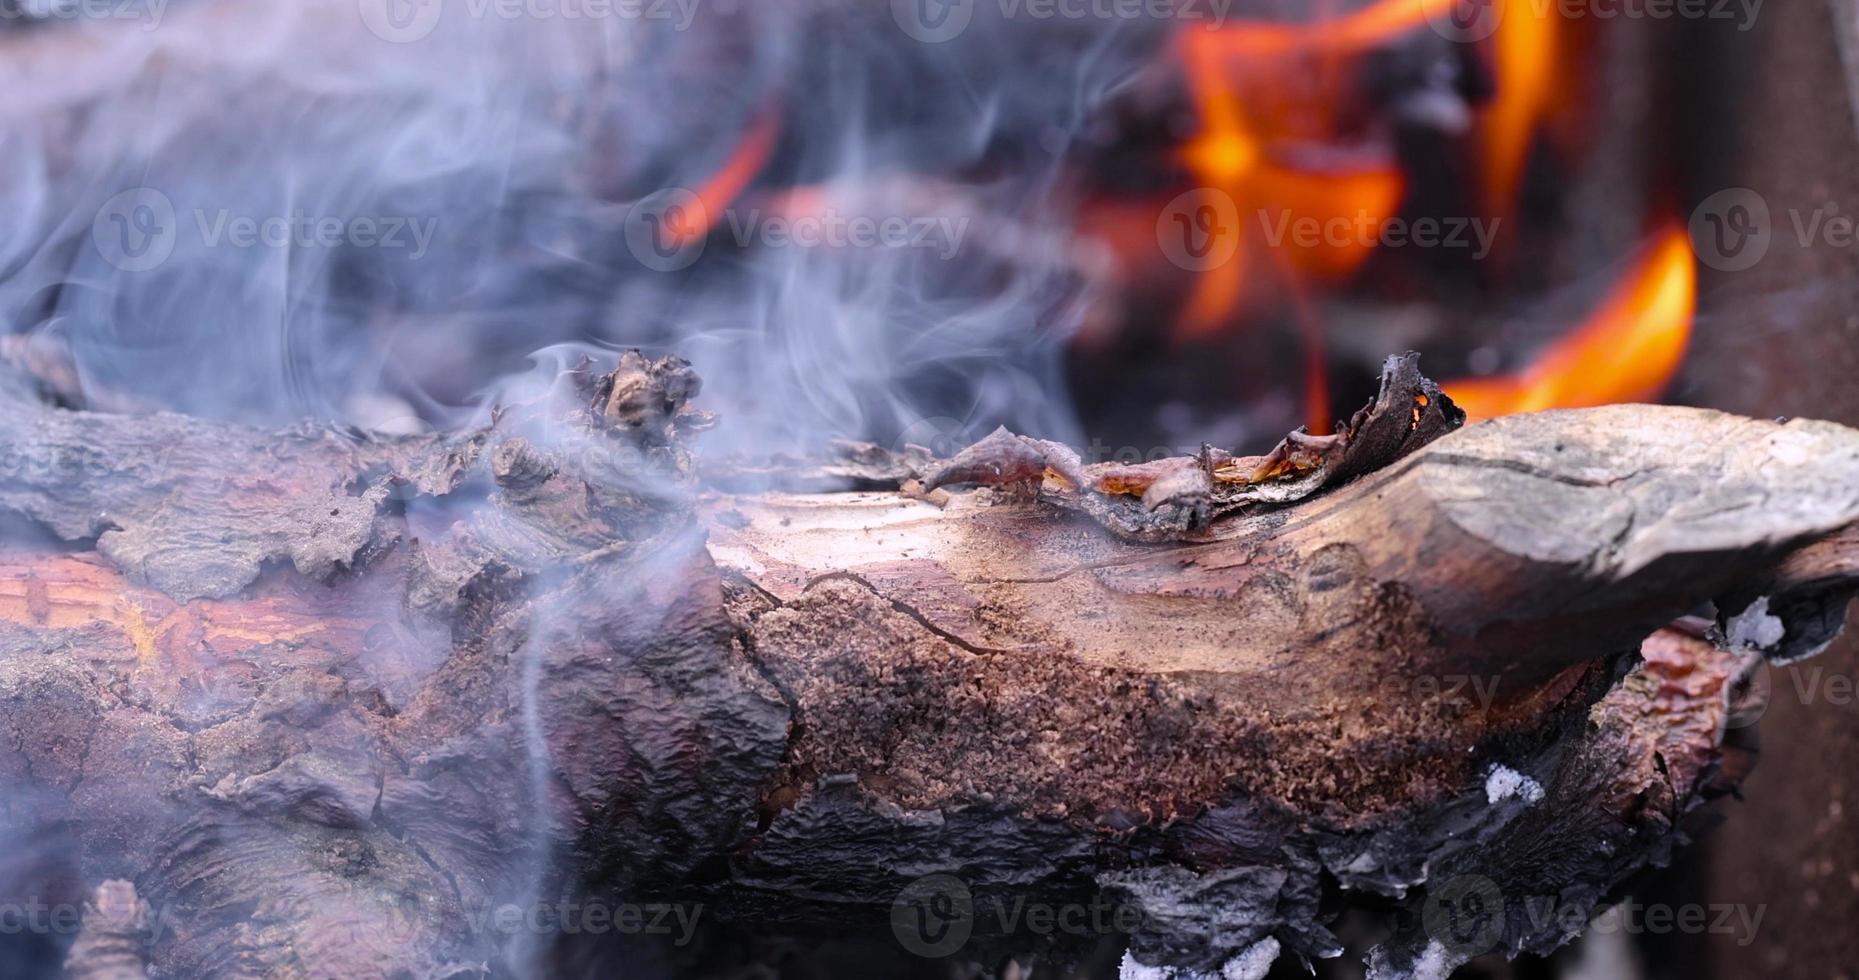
[(1129, 969), (1435, 963), (1756, 628), (1252, 964), (1504, 783)]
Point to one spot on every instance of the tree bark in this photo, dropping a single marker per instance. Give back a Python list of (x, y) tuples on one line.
[(327, 699)]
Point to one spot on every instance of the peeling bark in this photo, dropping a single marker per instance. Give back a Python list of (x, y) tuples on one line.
[(325, 698)]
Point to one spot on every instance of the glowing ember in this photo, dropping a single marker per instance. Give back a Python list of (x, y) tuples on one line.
[(1627, 351)]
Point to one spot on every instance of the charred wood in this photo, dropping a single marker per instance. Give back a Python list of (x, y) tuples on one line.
[(324, 698)]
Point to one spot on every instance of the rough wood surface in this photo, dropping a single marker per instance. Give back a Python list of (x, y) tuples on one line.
[(1488, 563), (325, 698)]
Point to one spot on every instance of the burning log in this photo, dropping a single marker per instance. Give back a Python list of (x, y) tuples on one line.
[(325, 698)]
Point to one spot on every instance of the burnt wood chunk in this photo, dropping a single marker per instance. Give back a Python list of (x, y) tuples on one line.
[(318, 702)]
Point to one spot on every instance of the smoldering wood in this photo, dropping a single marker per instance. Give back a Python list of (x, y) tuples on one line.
[(325, 698)]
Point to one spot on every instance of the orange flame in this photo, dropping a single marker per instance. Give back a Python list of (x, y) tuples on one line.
[(1366, 27), (1252, 129), (1528, 46), (1628, 350), (729, 181), (1271, 147)]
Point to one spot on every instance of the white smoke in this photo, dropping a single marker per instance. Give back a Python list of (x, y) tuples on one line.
[(266, 211)]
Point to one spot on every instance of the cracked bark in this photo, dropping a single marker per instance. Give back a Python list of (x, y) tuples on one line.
[(326, 699)]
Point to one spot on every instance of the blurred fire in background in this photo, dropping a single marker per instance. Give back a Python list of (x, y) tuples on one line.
[(1286, 127), (1190, 229), (1286, 163)]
